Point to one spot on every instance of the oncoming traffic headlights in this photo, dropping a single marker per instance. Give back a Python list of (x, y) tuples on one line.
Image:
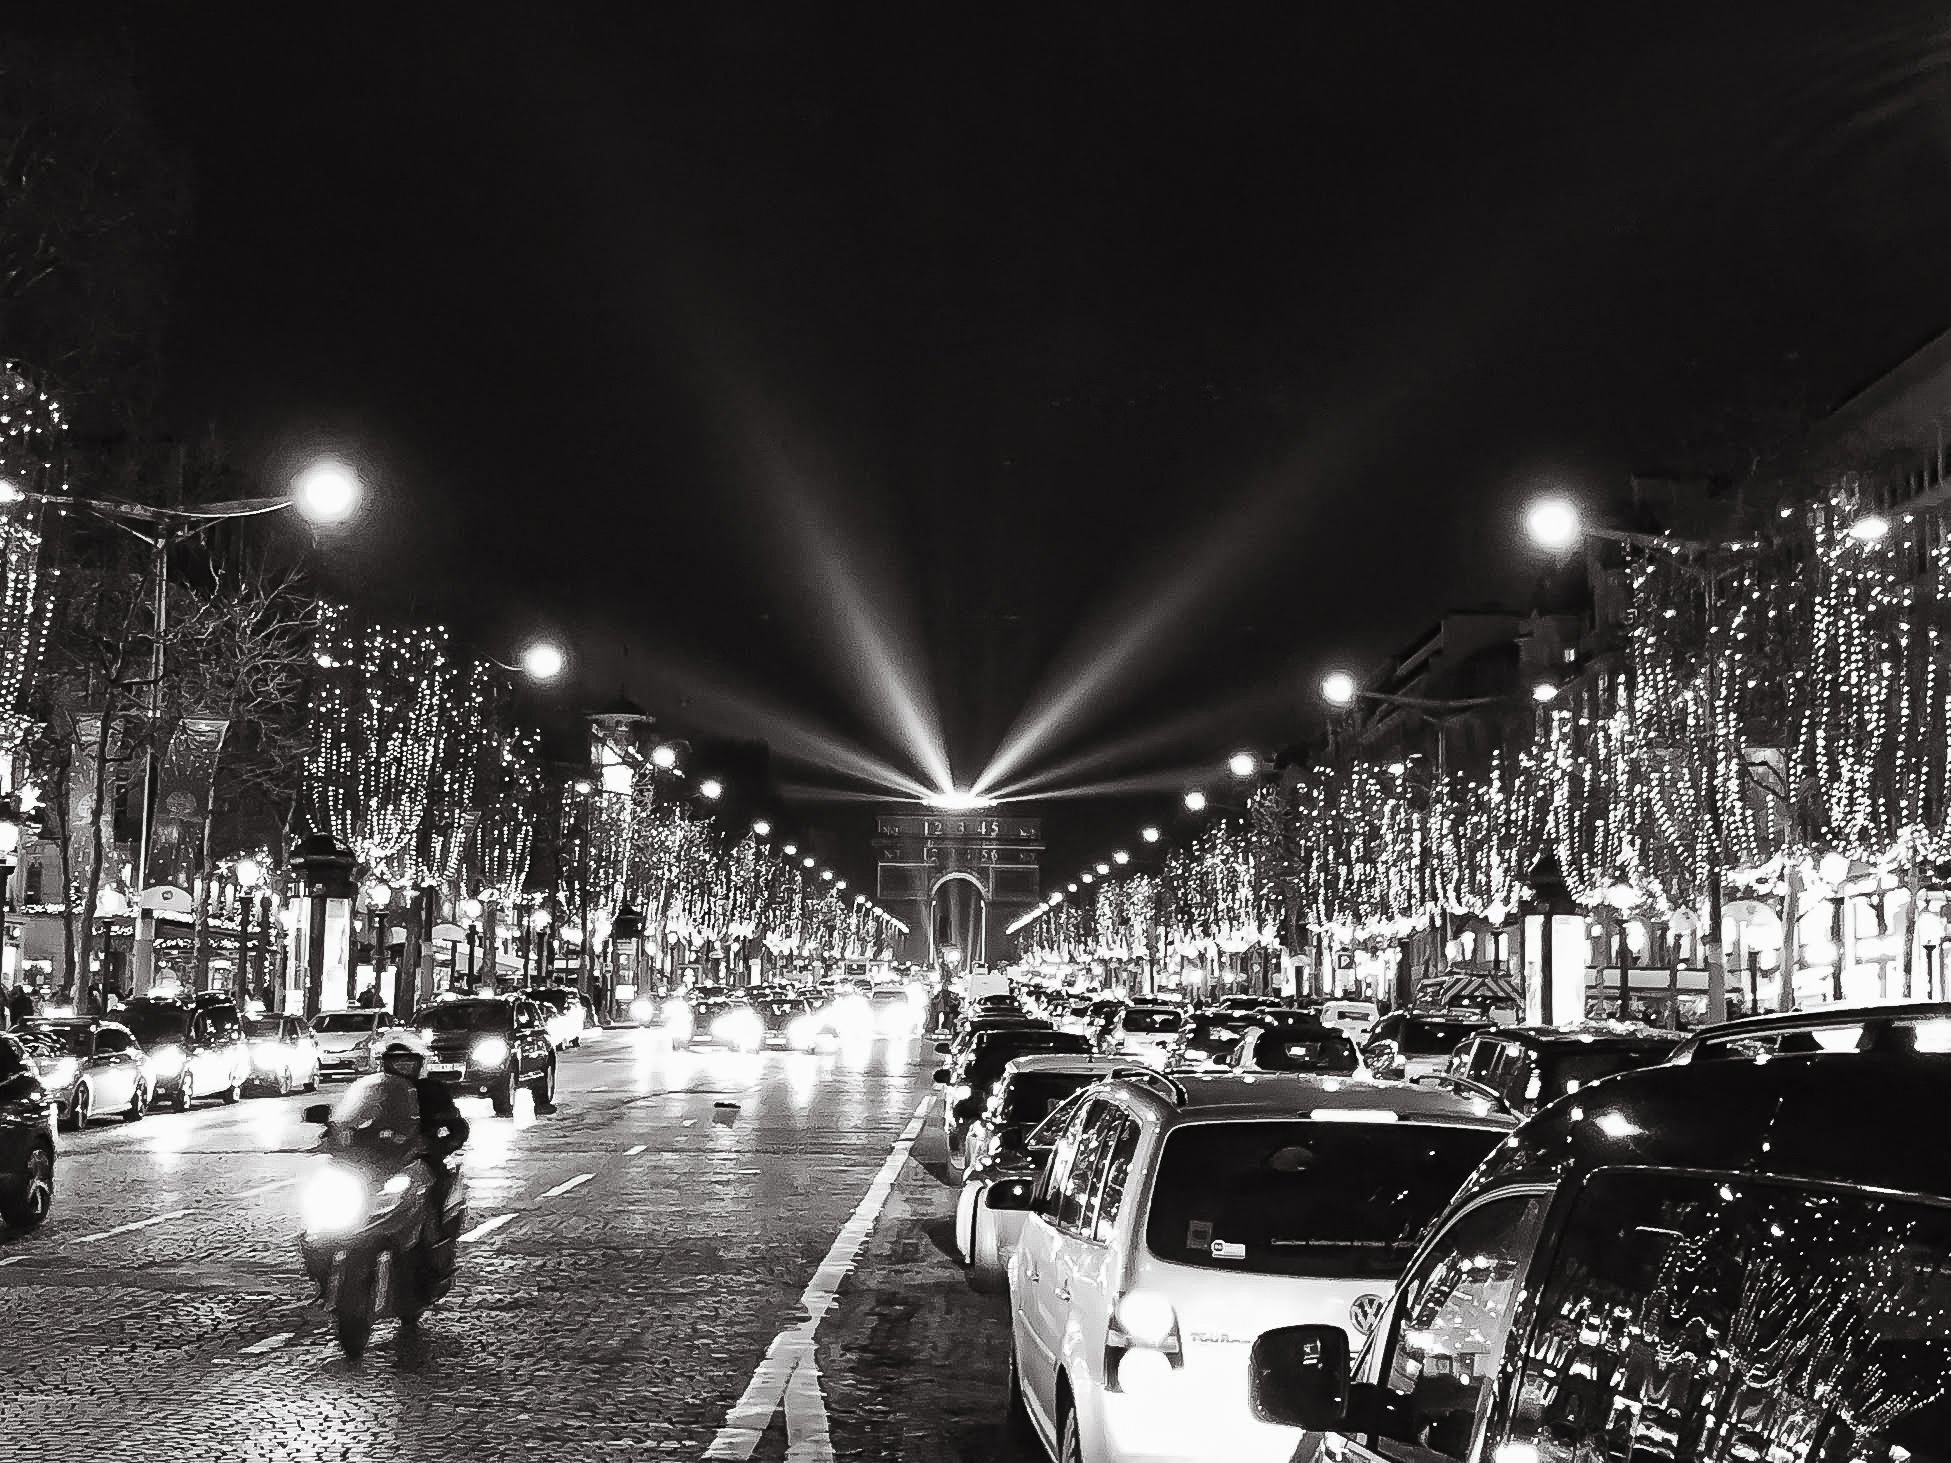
[(740, 1030), (642, 1010), (490, 1051), (167, 1060)]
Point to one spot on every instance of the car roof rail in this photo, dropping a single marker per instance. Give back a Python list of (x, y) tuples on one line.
[(1140, 1073)]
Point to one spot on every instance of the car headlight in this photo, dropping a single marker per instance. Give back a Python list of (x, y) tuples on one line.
[(803, 1031), (490, 1051), (266, 1053), (168, 1060), (61, 1072), (334, 1200), (641, 1009)]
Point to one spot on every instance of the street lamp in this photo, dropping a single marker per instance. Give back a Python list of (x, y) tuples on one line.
[(791, 850), (711, 789), (543, 661), (663, 756), (1338, 688), (1871, 528), (1243, 764), (762, 828), (1553, 523), (326, 492), (1103, 869), (1195, 801), (1121, 857), (1149, 834)]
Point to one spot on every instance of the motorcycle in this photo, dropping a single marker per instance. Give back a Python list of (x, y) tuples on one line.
[(366, 1240)]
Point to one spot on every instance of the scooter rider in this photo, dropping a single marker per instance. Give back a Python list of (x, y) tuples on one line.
[(441, 1125)]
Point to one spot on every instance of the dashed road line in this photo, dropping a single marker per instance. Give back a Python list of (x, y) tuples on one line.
[(487, 1227), (562, 1188), (270, 1188), (269, 1343), (150, 1223), (634, 1150), (789, 1375), (12, 1260)]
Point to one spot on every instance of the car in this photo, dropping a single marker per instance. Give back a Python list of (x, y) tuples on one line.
[(26, 1139), (1175, 1222), (1145, 1033), (348, 1041), (967, 1036), (734, 1024), (896, 1014), (1007, 1145), (1415, 1043), (967, 1082), (490, 1046), (1290, 1048), (791, 1021), (1357, 1018), (1923, 1026), (562, 1013), (284, 1053), (1529, 1067), (196, 1048), (1718, 1259), (1207, 1039), (90, 1067)]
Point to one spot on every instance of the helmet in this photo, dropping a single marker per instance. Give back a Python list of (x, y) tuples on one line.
[(400, 1044)]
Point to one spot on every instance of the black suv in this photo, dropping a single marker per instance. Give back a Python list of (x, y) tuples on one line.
[(26, 1139), (490, 1047), (1529, 1067)]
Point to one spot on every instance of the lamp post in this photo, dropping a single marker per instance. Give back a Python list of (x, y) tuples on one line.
[(10, 822), (326, 492), (249, 874)]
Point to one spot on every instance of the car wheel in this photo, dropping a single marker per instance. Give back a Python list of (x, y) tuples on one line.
[(1070, 1447), (986, 1273), (185, 1091), (235, 1090), (138, 1104), (503, 1096), (78, 1112), (285, 1083), (542, 1089), (311, 1078), (30, 1204)]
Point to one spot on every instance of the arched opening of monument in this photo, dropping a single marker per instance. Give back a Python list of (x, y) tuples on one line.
[(956, 906)]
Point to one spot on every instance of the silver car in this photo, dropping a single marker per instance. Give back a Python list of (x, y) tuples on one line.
[(348, 1041), (91, 1068)]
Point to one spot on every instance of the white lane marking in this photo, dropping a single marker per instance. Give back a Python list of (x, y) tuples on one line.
[(269, 1343), (12, 1260), (562, 1188), (689, 1121), (634, 1150), (789, 1374), (150, 1223), (271, 1188), (487, 1227)]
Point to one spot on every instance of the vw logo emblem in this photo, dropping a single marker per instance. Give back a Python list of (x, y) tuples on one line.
[(1365, 1312)]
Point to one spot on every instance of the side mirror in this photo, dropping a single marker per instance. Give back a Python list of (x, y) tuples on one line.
[(1299, 1377), (942, 1047), (1379, 1056), (941, 1076), (1009, 1194), (319, 1112), (1012, 1140)]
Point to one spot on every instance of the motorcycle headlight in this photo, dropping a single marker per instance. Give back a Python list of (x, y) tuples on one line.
[(168, 1060), (334, 1200), (491, 1051)]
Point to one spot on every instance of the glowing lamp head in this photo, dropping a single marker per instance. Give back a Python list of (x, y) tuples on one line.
[(663, 757), (958, 800), (1243, 764), (1121, 857), (1544, 691), (1553, 524), (711, 789), (326, 492), (762, 828), (543, 661), (1338, 688), (1195, 801), (249, 873), (1150, 835), (11, 492), (1871, 528), (471, 909)]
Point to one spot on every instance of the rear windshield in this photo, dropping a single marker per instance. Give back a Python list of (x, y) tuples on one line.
[(345, 1021), (1305, 1051), (1033, 1097), (1153, 1020), (262, 1027), (1212, 1028), (1342, 1200), (1005, 1047), (465, 1016), (557, 998), (1422, 1037)]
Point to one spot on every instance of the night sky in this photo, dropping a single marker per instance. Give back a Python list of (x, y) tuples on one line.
[(1231, 336)]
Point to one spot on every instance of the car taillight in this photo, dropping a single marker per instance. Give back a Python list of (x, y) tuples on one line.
[(1141, 1344)]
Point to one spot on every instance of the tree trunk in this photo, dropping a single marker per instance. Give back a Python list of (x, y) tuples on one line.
[(1791, 957), (200, 889), (83, 974)]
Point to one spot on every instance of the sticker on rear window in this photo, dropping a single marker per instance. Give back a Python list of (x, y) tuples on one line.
[(1199, 1234), (1225, 1251)]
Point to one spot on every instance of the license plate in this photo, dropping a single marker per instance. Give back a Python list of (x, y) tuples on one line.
[(445, 1069)]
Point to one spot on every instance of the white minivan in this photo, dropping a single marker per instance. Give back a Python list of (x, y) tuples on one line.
[(1173, 1224)]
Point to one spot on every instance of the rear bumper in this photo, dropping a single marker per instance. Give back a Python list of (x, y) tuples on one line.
[(1176, 1420)]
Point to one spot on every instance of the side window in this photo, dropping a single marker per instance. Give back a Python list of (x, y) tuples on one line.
[(1121, 1147), (1699, 1318), (1056, 1173), (1080, 1184), (110, 1042), (1450, 1328), (201, 1030), (1471, 1060)]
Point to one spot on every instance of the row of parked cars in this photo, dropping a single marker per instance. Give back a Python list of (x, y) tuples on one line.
[(73, 1071), (1556, 1247)]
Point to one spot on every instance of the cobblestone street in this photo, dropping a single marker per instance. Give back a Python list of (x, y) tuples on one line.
[(634, 1255)]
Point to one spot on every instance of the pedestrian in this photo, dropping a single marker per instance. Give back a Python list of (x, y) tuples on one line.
[(20, 1006), (369, 998)]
